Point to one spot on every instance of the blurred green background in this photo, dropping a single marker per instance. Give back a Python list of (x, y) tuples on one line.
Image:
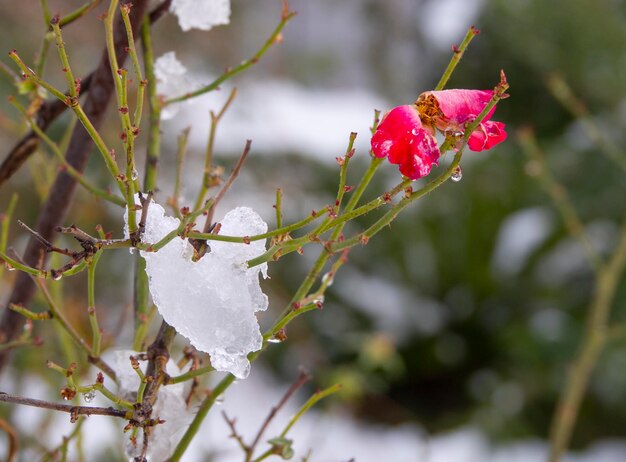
[(468, 309)]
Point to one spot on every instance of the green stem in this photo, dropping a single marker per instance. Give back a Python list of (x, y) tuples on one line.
[(96, 336), (56, 150), (5, 222), (564, 94), (207, 180), (82, 117), (120, 78), (190, 375), (78, 12), (112, 396), (560, 198), (44, 315), (257, 237), (456, 57), (566, 414), (181, 153), (237, 69), (45, 41), (154, 133), (67, 70), (318, 396), (13, 264), (132, 51), (279, 208), (201, 414)]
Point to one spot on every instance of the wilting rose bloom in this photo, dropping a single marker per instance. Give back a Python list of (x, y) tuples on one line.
[(401, 138), (453, 110)]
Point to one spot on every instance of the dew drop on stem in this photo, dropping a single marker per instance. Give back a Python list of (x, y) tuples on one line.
[(457, 175), (89, 396)]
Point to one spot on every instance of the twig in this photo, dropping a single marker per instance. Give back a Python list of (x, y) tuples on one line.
[(14, 442), (279, 208), (234, 433), (274, 38), (201, 414), (158, 355), (563, 93), (181, 153), (201, 247), (456, 57), (303, 377), (62, 191), (193, 373), (231, 179), (75, 411), (559, 196), (317, 396), (49, 247), (52, 109), (208, 179), (607, 282)]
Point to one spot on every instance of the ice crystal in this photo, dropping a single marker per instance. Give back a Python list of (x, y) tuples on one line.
[(212, 302)]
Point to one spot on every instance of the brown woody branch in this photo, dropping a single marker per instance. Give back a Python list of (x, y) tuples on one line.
[(61, 193), (74, 411)]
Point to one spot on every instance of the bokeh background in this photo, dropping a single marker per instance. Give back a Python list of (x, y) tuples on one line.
[(452, 330)]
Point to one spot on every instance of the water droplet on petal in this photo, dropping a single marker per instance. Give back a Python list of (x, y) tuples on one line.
[(88, 397), (414, 131), (457, 175)]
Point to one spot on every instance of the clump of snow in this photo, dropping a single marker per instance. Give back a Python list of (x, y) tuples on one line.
[(201, 14), (212, 302), (170, 406), (172, 81)]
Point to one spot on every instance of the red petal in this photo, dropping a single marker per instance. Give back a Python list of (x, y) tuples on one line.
[(486, 136), (458, 106), (421, 159), (401, 138)]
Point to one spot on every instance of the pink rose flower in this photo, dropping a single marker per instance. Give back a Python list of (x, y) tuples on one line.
[(406, 134), (453, 110), (401, 138)]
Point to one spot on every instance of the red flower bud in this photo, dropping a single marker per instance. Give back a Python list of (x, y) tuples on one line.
[(401, 138)]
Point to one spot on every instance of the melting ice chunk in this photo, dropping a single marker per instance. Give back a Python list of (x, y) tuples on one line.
[(212, 302), (170, 406), (201, 14)]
